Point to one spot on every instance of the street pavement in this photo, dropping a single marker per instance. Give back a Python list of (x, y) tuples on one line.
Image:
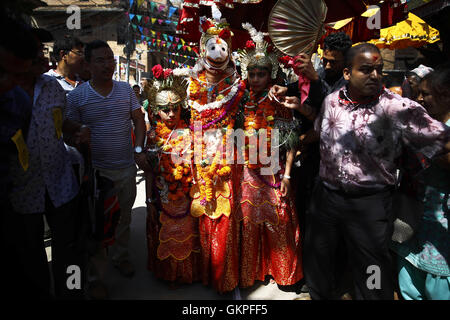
[(145, 286)]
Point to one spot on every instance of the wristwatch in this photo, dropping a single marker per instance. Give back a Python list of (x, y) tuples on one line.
[(138, 149)]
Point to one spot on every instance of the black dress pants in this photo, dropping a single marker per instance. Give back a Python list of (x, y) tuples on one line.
[(365, 224), (24, 237)]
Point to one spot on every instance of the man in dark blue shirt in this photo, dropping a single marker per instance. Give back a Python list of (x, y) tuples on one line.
[(17, 49)]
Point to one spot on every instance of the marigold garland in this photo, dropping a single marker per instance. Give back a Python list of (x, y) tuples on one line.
[(259, 115), (218, 118), (177, 176)]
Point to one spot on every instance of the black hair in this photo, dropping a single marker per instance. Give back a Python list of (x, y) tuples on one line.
[(339, 41), (136, 85), (66, 44), (440, 82), (17, 38), (360, 48), (96, 44)]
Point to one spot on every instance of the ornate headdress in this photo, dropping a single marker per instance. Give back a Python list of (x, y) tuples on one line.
[(216, 27), (257, 53), (165, 89), (212, 29)]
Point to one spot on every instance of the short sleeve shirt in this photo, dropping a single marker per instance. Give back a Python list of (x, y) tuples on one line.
[(109, 119)]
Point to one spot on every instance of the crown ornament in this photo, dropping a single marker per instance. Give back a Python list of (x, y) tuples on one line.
[(257, 53)]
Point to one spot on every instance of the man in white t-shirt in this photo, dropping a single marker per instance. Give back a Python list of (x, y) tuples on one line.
[(101, 110)]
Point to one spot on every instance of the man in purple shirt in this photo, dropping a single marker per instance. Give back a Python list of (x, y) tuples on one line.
[(362, 129)]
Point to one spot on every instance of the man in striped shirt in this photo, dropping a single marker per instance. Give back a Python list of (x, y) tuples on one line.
[(103, 110)]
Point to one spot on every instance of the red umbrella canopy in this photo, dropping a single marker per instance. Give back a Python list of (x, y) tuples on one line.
[(256, 14)]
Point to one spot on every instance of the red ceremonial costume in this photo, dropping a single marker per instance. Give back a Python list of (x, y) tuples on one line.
[(270, 233), (214, 106), (172, 232)]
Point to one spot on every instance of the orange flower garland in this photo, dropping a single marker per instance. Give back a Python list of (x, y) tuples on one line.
[(177, 176), (258, 115), (220, 118)]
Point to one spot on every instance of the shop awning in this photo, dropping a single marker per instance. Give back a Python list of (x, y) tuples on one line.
[(412, 32)]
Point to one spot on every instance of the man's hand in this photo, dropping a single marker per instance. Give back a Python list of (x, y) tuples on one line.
[(277, 93), (141, 161), (285, 187), (292, 103), (303, 65)]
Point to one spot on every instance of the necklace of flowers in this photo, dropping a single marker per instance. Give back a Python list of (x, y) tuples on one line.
[(224, 113), (207, 172), (219, 102), (251, 102), (178, 176), (258, 117)]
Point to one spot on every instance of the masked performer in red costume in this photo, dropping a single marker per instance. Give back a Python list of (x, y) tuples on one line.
[(214, 96), (172, 232), (270, 233)]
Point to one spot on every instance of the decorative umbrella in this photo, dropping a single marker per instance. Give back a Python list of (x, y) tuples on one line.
[(412, 32), (296, 26)]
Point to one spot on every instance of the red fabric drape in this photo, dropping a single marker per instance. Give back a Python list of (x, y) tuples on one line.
[(392, 11)]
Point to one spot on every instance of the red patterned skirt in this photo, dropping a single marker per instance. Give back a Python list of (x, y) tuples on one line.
[(270, 232)]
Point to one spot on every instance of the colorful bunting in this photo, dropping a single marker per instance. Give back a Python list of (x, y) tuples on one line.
[(172, 10)]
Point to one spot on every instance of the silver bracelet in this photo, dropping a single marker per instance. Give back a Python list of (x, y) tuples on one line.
[(286, 176)]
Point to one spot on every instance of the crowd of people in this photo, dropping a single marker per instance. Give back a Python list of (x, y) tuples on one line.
[(247, 177)]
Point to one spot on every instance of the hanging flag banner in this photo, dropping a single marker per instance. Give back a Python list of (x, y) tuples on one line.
[(172, 10), (160, 21), (139, 17), (161, 8), (131, 3), (153, 20), (171, 38), (131, 16), (140, 2), (152, 6)]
